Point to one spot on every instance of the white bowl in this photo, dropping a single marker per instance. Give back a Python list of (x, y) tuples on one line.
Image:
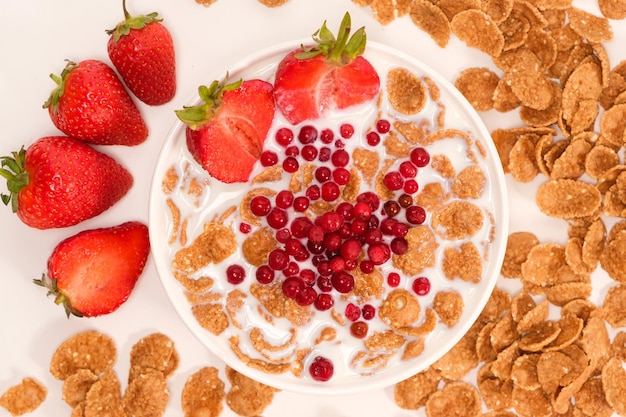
[(459, 114)]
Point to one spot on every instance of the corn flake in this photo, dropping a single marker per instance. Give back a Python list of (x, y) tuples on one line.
[(478, 30), (24, 397), (432, 20), (568, 199), (90, 350)]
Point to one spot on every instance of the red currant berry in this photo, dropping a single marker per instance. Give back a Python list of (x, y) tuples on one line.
[(269, 158), (327, 136), (245, 228), (415, 215), (393, 180), (264, 274), (284, 136), (324, 302), (359, 329), (372, 138), (421, 286), (292, 286), (277, 218), (278, 259), (367, 267), (324, 155), (342, 281), (399, 245), (307, 134), (369, 311), (235, 274), (410, 186), (341, 176), (393, 279), (284, 199), (353, 312), (340, 158), (330, 191), (260, 205), (346, 130), (309, 153), (383, 126), (322, 174), (300, 204), (420, 157), (321, 369), (306, 296), (408, 169), (291, 164), (313, 192)]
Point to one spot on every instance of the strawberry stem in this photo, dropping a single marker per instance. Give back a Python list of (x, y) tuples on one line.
[(341, 50), (211, 96), (131, 22), (13, 170)]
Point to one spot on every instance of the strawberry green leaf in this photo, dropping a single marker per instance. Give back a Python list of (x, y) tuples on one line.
[(14, 171), (59, 297), (340, 50), (211, 96), (57, 93)]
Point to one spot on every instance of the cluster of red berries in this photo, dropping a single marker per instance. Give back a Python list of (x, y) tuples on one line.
[(320, 256)]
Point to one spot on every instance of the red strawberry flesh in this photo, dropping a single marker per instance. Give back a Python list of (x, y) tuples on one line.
[(96, 270)]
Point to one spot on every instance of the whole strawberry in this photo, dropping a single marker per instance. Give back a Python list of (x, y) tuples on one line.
[(142, 51), (330, 75), (226, 132), (91, 103), (94, 272), (60, 181)]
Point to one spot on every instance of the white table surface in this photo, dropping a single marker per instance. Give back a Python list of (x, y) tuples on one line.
[(36, 36)]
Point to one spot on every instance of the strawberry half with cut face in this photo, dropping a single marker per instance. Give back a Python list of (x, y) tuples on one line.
[(60, 182), (226, 133), (330, 75), (91, 103), (94, 272), (142, 51)]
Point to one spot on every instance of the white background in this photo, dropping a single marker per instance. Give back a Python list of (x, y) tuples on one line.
[(36, 36)]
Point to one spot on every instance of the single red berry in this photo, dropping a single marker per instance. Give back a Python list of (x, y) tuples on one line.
[(369, 311), (269, 158), (421, 286), (264, 274), (292, 286), (307, 134), (359, 329), (324, 302), (393, 279), (321, 369), (284, 136), (420, 157), (383, 126), (235, 274), (372, 138), (346, 130), (415, 215), (352, 312), (260, 205)]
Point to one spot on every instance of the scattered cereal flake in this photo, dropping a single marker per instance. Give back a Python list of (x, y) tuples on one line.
[(522, 162), (75, 386), (499, 10), (478, 30), (413, 392), (458, 220), (542, 264), (246, 396), (497, 304), (504, 99), (571, 163), (443, 165), (571, 328), (170, 179), (504, 333), (599, 160), (104, 398), (595, 340), (86, 350), (613, 383), (464, 262), (457, 398), (613, 9), (613, 255), (432, 20), (533, 317), (518, 247), (273, 3), (462, 358), (413, 349), (593, 28), (478, 85), (524, 371), (590, 399), (568, 199), (521, 304), (540, 336), (453, 7), (449, 306), (613, 123), (547, 116), (24, 397), (213, 245), (406, 91), (146, 395), (368, 286), (614, 305), (618, 345), (531, 403), (561, 294), (278, 305), (155, 351), (203, 393), (395, 146)]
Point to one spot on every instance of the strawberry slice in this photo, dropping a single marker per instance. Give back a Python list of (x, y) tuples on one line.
[(331, 75), (93, 272), (226, 133)]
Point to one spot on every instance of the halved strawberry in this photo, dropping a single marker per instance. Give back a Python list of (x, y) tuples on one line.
[(93, 272), (225, 134), (330, 75)]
